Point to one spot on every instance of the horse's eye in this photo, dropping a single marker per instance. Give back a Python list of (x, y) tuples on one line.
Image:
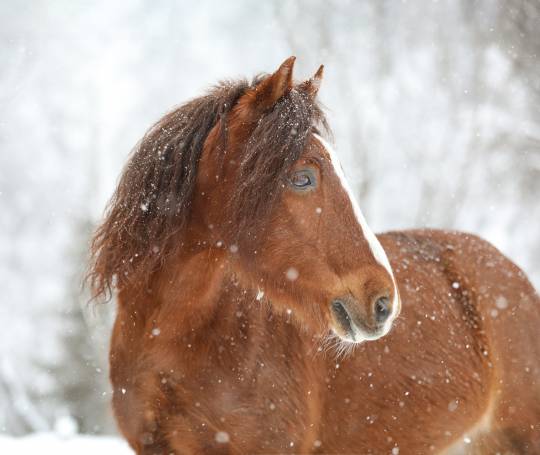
[(303, 180)]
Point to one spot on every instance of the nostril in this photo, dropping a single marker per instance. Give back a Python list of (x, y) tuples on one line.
[(342, 315), (382, 309)]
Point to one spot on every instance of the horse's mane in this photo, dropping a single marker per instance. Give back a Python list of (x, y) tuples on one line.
[(152, 201)]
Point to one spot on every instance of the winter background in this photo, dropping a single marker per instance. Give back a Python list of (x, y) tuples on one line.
[(435, 107)]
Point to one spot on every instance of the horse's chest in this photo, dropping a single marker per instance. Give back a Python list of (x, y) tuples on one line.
[(246, 409)]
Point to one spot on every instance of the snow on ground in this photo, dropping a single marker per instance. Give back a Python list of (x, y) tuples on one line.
[(50, 443)]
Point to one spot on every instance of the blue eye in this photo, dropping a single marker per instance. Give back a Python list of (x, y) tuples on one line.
[(303, 180)]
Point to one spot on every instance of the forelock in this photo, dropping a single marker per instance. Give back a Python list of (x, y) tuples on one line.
[(276, 143)]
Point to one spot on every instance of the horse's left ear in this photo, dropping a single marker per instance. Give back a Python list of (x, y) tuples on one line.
[(270, 90), (311, 86)]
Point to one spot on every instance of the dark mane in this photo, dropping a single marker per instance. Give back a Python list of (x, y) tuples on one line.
[(153, 198), (273, 147)]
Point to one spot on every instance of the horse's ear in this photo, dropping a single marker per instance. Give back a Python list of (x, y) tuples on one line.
[(271, 89), (311, 86)]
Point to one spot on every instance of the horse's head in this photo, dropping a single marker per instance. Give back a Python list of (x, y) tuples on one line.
[(244, 172), (274, 196)]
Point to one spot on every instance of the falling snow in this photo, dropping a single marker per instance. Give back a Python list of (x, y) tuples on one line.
[(58, 174), (501, 302), (292, 274), (222, 437)]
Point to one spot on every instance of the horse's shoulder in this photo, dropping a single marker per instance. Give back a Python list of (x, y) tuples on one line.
[(458, 256), (432, 243)]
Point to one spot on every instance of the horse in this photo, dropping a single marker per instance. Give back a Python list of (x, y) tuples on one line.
[(258, 313)]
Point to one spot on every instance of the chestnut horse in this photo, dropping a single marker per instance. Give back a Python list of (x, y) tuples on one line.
[(243, 265)]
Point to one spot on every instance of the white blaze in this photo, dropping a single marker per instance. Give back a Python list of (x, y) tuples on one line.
[(374, 244)]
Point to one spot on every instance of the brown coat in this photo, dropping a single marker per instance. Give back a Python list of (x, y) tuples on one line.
[(247, 280), (462, 363)]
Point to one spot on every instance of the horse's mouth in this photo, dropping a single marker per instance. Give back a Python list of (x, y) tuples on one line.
[(342, 318)]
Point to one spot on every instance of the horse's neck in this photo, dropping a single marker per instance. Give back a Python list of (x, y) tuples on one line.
[(196, 296), (208, 333), (208, 309)]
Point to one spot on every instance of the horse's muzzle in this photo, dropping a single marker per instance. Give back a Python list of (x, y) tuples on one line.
[(356, 323)]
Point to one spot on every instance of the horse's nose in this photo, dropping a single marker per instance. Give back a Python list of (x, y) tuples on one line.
[(381, 309), (357, 322)]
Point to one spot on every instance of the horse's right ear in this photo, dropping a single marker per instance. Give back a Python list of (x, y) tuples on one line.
[(311, 86), (270, 90)]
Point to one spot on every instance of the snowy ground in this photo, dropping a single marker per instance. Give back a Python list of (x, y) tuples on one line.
[(48, 443)]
